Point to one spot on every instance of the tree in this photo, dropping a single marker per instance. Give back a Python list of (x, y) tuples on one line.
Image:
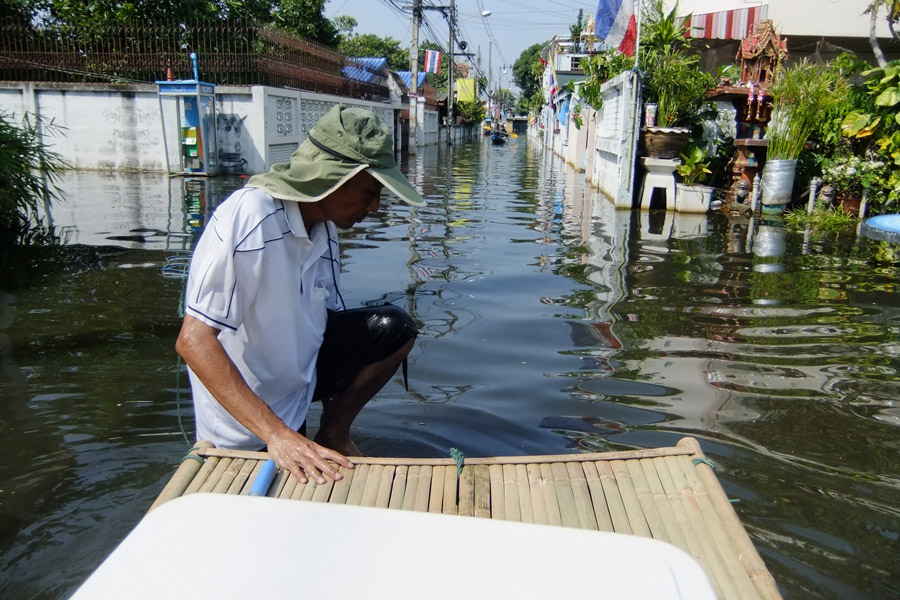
[(892, 16), (527, 70), (439, 79), (306, 18), (370, 45)]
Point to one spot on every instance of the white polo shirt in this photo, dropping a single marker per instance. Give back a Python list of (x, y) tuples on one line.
[(258, 278)]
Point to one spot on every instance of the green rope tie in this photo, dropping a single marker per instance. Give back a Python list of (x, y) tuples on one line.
[(457, 455), (706, 462), (193, 456)]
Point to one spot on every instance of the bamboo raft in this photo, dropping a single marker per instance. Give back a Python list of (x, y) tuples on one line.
[(670, 494)]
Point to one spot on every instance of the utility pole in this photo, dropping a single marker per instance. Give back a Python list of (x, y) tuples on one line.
[(414, 74), (451, 20)]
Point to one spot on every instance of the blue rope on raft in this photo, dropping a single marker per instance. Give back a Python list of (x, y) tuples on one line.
[(193, 456), (457, 455), (706, 462)]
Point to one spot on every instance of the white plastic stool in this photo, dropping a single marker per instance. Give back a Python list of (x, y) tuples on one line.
[(660, 173)]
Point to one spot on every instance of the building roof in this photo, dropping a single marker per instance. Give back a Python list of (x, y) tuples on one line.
[(406, 76), (368, 69)]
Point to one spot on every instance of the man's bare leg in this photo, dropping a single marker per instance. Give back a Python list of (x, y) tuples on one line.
[(340, 410)]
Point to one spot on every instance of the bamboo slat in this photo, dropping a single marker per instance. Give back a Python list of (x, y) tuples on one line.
[(398, 490), (467, 492), (668, 494), (554, 517), (384, 487), (598, 498), (511, 509), (436, 493), (536, 491), (482, 492), (498, 492), (526, 510)]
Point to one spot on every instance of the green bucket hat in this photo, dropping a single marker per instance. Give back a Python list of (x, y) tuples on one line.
[(345, 141)]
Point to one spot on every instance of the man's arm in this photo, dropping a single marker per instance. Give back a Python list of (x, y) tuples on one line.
[(200, 348)]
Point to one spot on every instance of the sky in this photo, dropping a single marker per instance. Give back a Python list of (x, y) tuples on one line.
[(512, 26)]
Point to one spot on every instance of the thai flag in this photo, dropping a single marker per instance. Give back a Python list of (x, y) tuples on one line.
[(432, 61), (616, 24)]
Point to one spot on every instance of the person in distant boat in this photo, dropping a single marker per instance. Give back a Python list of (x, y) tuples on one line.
[(264, 334)]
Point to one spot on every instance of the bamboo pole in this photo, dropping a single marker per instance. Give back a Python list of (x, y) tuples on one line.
[(450, 487), (323, 492), (648, 506), (630, 500), (200, 478), (694, 547), (241, 478), (212, 481), (278, 483), (384, 487), (467, 492), (661, 500), (342, 488), (617, 513), (373, 481), (584, 508), (412, 482), (183, 476), (229, 476), (248, 483), (510, 460), (730, 534), (564, 495), (554, 516), (398, 491), (482, 491), (536, 487), (720, 576), (511, 506), (289, 486), (423, 489), (358, 485), (497, 497), (526, 510), (598, 498), (436, 494)]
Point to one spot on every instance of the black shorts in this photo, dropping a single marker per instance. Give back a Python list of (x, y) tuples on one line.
[(358, 337)]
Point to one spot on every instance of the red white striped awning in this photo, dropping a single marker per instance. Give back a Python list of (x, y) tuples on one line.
[(727, 24)]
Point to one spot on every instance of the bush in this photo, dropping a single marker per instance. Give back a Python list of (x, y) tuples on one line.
[(29, 172)]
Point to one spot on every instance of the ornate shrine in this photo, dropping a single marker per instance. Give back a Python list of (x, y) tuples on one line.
[(759, 57)]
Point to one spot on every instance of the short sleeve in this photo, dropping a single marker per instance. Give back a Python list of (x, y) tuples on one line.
[(225, 271)]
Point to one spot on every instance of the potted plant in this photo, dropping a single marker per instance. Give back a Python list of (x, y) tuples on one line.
[(850, 175), (673, 81), (800, 94), (690, 195)]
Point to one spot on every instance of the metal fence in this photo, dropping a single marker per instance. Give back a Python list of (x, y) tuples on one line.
[(230, 52)]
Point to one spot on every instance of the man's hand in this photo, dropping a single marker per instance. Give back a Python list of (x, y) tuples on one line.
[(303, 457)]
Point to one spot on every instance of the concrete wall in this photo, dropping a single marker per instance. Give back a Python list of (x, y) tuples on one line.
[(121, 127)]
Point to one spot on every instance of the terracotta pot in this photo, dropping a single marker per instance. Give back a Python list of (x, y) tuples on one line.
[(664, 142), (848, 203)]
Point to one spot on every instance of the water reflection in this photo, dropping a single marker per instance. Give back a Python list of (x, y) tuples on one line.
[(550, 323)]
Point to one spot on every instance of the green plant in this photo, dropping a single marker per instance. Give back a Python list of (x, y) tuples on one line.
[(471, 112), (671, 69), (823, 219), (801, 94), (598, 69), (850, 174), (29, 172), (694, 166)]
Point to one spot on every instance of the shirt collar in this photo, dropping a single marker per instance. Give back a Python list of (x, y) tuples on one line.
[(294, 220)]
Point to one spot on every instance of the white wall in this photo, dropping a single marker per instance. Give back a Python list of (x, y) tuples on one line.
[(120, 128), (829, 18)]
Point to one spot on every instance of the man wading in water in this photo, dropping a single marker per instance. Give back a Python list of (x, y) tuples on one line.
[(264, 332)]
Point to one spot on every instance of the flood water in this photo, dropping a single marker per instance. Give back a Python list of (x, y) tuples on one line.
[(550, 323)]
